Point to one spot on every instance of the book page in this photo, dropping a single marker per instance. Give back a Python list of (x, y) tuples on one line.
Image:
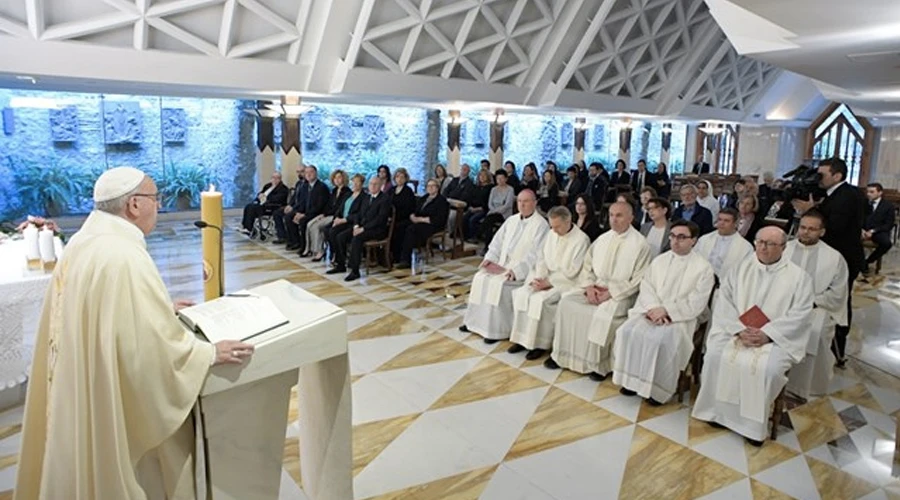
[(234, 318)]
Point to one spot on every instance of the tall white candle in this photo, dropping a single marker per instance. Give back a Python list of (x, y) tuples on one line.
[(32, 246), (48, 253)]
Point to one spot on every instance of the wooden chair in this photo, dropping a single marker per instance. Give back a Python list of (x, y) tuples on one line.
[(871, 245), (372, 246), (689, 378), (777, 411)]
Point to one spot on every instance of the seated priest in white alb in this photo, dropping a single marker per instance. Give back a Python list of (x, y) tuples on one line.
[(115, 375), (587, 318), (511, 254), (760, 329), (558, 266), (828, 271), (656, 342), (724, 248)]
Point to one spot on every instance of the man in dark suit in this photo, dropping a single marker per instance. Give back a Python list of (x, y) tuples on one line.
[(373, 225), (287, 212), (701, 167), (273, 196), (878, 224), (844, 211), (596, 185), (693, 211), (462, 188), (311, 202), (641, 178)]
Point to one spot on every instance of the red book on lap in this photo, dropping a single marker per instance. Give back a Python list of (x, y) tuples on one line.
[(754, 318)]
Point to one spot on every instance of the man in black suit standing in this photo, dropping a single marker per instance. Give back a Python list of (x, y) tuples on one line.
[(373, 225), (878, 224), (701, 167), (844, 211), (311, 202), (693, 211), (596, 185), (641, 178)]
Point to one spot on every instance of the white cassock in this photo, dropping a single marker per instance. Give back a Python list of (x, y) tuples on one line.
[(739, 384), (584, 333), (723, 253), (114, 379), (560, 263), (648, 357), (515, 247), (828, 271)]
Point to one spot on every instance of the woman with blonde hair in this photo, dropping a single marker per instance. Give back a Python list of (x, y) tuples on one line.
[(345, 215), (315, 236)]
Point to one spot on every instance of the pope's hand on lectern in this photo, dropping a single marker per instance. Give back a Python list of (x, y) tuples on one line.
[(232, 352)]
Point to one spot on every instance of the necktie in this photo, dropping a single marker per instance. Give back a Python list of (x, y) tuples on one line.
[(872, 205)]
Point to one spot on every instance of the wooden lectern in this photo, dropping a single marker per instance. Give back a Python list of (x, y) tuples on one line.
[(245, 407)]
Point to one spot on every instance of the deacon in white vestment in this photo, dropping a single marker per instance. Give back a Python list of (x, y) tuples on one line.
[(558, 266), (587, 317), (511, 254), (115, 375), (745, 367), (828, 271), (656, 342)]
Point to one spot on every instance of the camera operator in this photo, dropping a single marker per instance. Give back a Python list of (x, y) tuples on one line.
[(844, 211)]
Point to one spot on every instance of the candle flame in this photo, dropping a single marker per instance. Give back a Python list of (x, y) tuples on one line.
[(212, 188)]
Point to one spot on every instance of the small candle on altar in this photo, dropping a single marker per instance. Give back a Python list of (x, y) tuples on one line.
[(211, 213), (32, 247), (48, 253)]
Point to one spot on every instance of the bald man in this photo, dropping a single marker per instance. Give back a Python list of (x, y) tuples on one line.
[(610, 279), (760, 328), (511, 254)]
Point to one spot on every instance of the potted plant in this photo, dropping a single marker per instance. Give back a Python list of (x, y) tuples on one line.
[(48, 187), (182, 184)]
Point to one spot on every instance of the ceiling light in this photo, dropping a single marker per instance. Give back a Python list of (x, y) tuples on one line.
[(454, 120), (262, 112), (666, 128), (581, 124), (625, 124), (289, 109), (712, 129), (32, 102)]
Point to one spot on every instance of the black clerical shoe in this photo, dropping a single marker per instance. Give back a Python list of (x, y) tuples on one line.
[(653, 402), (464, 328), (549, 363), (336, 270), (278, 241), (535, 354), (754, 442), (515, 348), (491, 341), (841, 363), (597, 377), (626, 392), (353, 276)]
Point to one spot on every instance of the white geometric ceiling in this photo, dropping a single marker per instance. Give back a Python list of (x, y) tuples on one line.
[(665, 57)]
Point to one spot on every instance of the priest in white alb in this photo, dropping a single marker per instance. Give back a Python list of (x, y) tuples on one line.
[(724, 248), (655, 344), (558, 266), (587, 317), (512, 253), (828, 271), (115, 375), (760, 329)]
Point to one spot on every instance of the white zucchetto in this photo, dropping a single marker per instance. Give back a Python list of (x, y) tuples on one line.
[(117, 182)]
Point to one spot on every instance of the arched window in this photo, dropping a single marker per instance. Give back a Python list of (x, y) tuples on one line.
[(839, 133)]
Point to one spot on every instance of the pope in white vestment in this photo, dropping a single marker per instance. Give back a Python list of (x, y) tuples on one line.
[(656, 342), (587, 318), (828, 271), (511, 254), (557, 269), (115, 375), (746, 367)]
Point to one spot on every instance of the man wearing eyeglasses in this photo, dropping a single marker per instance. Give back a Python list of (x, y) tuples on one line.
[(760, 329), (656, 342), (115, 375), (828, 271)]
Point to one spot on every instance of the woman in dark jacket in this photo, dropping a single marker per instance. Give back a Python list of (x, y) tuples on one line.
[(530, 179), (585, 218), (548, 193), (346, 214), (429, 218), (476, 210), (621, 175), (663, 182), (404, 201)]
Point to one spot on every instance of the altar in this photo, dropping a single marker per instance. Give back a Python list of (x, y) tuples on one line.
[(245, 407), (21, 298)]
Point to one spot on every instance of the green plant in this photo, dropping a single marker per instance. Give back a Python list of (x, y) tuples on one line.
[(47, 187), (182, 184)]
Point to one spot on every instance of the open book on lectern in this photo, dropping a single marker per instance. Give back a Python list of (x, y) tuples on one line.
[(238, 316)]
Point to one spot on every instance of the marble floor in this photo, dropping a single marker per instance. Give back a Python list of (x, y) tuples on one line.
[(438, 414)]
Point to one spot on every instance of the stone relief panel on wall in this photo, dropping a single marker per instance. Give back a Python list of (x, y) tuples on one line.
[(566, 134), (123, 123), (313, 128), (373, 133), (480, 133), (8, 125), (598, 136), (64, 124), (343, 130), (174, 125)]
